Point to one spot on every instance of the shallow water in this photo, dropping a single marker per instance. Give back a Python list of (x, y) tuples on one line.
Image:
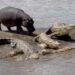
[(57, 64)]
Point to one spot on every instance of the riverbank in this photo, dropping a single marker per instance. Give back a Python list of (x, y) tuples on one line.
[(5, 49)]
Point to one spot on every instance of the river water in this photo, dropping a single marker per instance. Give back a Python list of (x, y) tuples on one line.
[(56, 64), (44, 13)]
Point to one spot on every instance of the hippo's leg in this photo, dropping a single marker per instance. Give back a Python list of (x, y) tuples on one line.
[(0, 27), (9, 28), (19, 28)]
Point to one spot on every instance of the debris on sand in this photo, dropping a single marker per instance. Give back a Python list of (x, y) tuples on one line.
[(22, 46), (50, 43), (25, 47), (60, 29), (48, 51)]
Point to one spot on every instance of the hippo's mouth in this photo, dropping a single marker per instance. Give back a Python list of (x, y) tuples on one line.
[(30, 30)]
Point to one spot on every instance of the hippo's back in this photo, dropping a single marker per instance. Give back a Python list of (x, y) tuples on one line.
[(8, 13)]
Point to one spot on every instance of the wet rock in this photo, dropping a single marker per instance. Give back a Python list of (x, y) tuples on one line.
[(43, 38)]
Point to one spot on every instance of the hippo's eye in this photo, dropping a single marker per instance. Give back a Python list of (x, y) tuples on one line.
[(25, 20)]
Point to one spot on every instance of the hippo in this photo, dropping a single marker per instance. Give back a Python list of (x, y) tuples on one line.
[(11, 16)]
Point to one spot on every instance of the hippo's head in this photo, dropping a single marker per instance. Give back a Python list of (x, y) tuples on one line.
[(29, 25)]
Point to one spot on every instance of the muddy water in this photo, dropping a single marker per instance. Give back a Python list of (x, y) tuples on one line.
[(56, 64)]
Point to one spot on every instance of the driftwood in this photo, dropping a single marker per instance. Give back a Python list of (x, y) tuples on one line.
[(25, 47), (22, 48), (60, 29), (50, 43), (48, 51)]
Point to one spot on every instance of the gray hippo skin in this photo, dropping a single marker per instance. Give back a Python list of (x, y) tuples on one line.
[(10, 16)]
